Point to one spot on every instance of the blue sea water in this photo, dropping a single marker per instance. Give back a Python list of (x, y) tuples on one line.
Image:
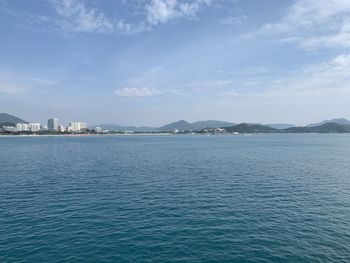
[(259, 198)]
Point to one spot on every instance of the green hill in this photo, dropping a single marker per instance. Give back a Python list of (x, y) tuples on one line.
[(257, 128), (195, 126), (325, 128), (9, 120), (250, 128)]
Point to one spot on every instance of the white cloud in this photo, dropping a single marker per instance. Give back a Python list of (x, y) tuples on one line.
[(314, 24), (342, 61), (312, 85), (77, 17), (315, 92), (161, 11), (137, 92)]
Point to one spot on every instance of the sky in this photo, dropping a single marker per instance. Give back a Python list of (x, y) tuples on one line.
[(150, 62)]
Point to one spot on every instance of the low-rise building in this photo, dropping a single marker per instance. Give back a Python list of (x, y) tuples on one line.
[(78, 126), (219, 130), (34, 127), (22, 127), (61, 128), (9, 128)]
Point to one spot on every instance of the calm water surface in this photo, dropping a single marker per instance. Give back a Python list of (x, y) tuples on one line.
[(261, 198)]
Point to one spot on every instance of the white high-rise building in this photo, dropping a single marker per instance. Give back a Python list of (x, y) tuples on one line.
[(77, 126), (98, 130), (34, 127), (22, 127)]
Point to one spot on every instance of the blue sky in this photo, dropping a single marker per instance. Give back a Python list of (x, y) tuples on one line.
[(149, 62)]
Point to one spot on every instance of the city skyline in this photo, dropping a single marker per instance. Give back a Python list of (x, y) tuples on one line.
[(52, 125), (152, 62)]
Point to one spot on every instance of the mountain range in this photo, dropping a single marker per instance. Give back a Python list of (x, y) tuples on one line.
[(339, 125), (281, 126), (251, 128), (195, 126), (340, 121), (328, 127), (115, 127), (179, 125)]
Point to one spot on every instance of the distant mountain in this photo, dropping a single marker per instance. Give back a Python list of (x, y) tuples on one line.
[(251, 128), (195, 126), (179, 125), (280, 126), (199, 125), (114, 127), (340, 121), (329, 127), (257, 128), (9, 120)]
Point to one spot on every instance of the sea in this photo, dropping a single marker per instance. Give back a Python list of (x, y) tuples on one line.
[(181, 198)]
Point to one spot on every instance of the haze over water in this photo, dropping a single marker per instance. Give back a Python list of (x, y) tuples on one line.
[(260, 198)]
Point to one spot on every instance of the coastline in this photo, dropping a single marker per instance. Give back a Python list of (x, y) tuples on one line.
[(85, 135), (158, 134)]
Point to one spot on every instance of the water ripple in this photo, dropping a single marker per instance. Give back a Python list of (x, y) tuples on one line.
[(264, 198)]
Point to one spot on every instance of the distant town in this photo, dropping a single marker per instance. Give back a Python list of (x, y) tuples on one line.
[(52, 127), (12, 125)]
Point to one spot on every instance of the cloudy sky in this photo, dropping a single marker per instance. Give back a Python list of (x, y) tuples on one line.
[(149, 62)]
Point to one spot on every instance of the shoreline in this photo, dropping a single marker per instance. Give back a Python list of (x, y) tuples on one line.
[(155, 134), (84, 135)]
